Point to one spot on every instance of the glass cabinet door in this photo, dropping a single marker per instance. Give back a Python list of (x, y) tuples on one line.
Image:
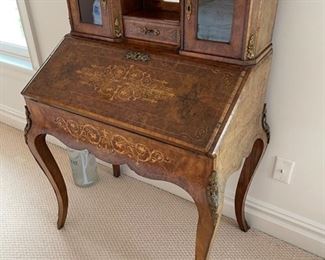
[(90, 12), (91, 17), (215, 26), (215, 19)]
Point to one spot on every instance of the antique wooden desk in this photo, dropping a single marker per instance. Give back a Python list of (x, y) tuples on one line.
[(123, 85)]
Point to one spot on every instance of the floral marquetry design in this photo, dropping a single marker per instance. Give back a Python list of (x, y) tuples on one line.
[(114, 143), (125, 83)]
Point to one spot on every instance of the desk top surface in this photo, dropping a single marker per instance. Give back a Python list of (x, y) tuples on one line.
[(174, 99)]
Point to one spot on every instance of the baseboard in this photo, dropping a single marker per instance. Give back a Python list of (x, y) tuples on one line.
[(265, 217), (12, 117), (277, 222), (297, 230)]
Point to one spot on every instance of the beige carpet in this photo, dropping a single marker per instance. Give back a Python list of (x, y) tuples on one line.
[(114, 219)]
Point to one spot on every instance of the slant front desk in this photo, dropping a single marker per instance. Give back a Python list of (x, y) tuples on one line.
[(134, 85)]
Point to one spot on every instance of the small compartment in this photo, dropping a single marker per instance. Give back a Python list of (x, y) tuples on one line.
[(152, 20), (151, 30)]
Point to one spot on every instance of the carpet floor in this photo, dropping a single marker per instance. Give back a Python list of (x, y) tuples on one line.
[(115, 219)]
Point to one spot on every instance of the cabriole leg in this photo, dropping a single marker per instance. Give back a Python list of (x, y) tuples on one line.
[(248, 171), (116, 170), (38, 147), (209, 208), (244, 182)]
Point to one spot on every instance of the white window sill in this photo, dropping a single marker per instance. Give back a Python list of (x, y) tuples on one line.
[(26, 60), (19, 62)]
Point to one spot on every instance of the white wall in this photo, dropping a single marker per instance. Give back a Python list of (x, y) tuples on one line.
[(296, 98)]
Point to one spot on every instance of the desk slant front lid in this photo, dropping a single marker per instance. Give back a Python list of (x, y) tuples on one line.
[(167, 97)]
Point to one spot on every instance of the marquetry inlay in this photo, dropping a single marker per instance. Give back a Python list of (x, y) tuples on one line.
[(125, 83), (115, 143)]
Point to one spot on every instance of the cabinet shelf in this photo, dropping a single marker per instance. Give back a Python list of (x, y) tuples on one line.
[(168, 17)]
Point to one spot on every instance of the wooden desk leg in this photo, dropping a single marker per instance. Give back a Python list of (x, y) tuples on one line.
[(35, 140), (209, 209), (116, 170), (244, 182), (248, 171)]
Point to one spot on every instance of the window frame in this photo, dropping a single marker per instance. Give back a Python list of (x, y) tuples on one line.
[(18, 55), (11, 49)]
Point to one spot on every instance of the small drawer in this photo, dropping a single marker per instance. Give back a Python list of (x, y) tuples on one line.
[(150, 30)]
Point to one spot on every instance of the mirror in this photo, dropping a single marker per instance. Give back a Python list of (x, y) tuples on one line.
[(90, 12), (215, 18)]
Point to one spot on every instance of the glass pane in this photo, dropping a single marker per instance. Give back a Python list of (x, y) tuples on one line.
[(215, 20), (11, 30), (90, 12)]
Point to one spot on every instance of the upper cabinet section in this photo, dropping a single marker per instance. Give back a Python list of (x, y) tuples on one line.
[(229, 29), (236, 31), (95, 18), (215, 27)]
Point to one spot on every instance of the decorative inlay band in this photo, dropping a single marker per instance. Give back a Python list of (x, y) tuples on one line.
[(114, 143), (125, 83)]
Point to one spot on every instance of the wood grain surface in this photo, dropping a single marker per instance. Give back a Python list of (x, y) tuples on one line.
[(177, 100)]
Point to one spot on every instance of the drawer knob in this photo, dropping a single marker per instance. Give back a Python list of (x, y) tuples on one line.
[(148, 31)]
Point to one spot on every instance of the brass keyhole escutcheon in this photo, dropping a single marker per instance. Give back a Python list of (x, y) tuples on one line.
[(188, 9)]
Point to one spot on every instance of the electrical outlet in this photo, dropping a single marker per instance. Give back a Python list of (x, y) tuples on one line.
[(283, 170)]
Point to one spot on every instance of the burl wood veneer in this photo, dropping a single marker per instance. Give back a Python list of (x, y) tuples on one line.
[(191, 121)]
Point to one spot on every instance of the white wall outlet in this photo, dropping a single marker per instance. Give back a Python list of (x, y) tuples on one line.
[(283, 170)]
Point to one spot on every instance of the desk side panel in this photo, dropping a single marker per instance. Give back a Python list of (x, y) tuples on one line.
[(245, 125)]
